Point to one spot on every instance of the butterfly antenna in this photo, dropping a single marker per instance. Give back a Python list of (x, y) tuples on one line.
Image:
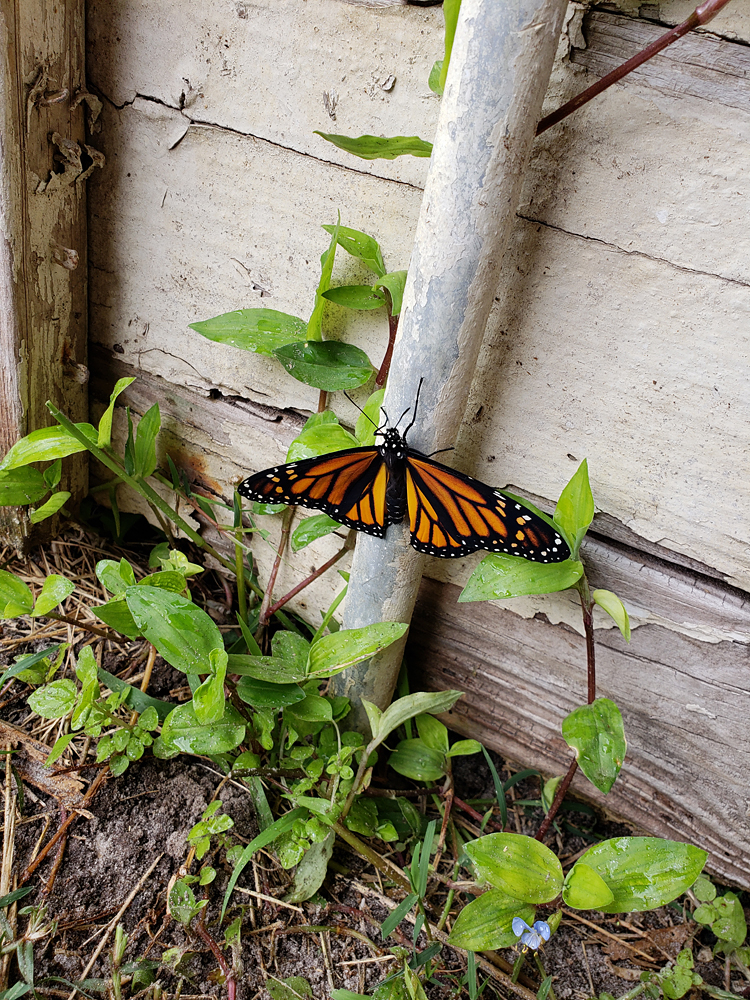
[(361, 410), (416, 404)]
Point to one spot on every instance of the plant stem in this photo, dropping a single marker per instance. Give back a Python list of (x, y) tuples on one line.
[(385, 365), (543, 974), (386, 868), (113, 636), (202, 932), (286, 525), (347, 547), (701, 15)]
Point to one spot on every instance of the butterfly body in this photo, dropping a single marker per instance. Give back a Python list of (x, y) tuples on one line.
[(450, 514)]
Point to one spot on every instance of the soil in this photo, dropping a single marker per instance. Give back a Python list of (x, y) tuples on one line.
[(120, 854)]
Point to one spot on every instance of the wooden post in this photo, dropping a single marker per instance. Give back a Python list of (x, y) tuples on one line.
[(43, 166), (499, 72)]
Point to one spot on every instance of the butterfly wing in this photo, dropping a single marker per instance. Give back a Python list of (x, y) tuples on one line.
[(451, 514), (350, 486)]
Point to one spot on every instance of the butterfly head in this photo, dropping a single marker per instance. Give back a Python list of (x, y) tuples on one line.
[(393, 443)]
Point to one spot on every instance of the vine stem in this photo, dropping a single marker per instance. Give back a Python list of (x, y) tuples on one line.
[(587, 609), (202, 932), (385, 366), (701, 15), (278, 605), (286, 525)]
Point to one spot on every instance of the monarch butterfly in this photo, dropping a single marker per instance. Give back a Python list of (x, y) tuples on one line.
[(450, 514)]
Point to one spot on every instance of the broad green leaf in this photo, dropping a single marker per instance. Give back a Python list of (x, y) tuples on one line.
[(597, 735), (311, 872), (265, 837), (321, 434), (117, 615), (703, 888), (312, 708), (27, 662), (644, 872), (86, 666), (433, 81), (450, 13), (145, 442), (136, 699), (315, 323), (104, 437), (355, 297), (181, 632), (54, 590), (415, 760), (331, 365), (53, 474), (266, 694), (271, 669), (360, 245), (520, 866), (182, 730), (465, 748), (485, 923), (585, 889), (258, 330), (333, 653), (575, 508), (369, 420), (21, 486), (54, 700), (395, 282), (46, 445), (208, 698), (293, 988), (432, 732), (407, 707), (311, 529), (167, 579), (52, 506), (376, 147), (291, 647), (499, 576), (15, 596), (726, 918), (115, 576), (374, 715), (614, 607)]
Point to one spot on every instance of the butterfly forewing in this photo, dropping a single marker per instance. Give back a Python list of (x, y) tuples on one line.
[(349, 486), (452, 515)]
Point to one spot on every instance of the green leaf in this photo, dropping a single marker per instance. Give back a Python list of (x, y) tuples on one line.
[(644, 872), (52, 506), (208, 698), (333, 653), (597, 735), (355, 297), (25, 663), (54, 590), (375, 147), (16, 597), (58, 748), (312, 708), (369, 420), (311, 529), (415, 760), (726, 918), (117, 615), (575, 508), (115, 576), (432, 732), (17, 894), (182, 633), (21, 486), (585, 889), (104, 437), (321, 434), (271, 669), (407, 707), (145, 442), (311, 871), (395, 917), (520, 866), (137, 699), (293, 988), (282, 825), (485, 923), (499, 576), (703, 888), (54, 700), (614, 607), (464, 748), (450, 13), (360, 245), (46, 445), (258, 330), (167, 579), (395, 282), (182, 730), (331, 366), (266, 694), (53, 473), (315, 323), (433, 81)]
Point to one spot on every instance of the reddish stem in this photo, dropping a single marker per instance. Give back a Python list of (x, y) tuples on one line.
[(346, 547), (701, 15), (286, 525), (200, 929), (385, 366)]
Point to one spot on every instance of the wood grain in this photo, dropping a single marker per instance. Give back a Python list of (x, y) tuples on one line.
[(43, 220)]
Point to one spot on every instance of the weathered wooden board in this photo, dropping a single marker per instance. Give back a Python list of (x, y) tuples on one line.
[(733, 22), (685, 704), (42, 227)]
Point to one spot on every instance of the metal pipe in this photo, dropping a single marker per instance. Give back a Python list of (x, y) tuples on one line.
[(500, 66)]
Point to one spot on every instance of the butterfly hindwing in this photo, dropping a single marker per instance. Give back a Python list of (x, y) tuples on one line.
[(451, 514), (350, 486)]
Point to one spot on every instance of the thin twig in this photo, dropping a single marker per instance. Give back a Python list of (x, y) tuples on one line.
[(346, 547), (286, 525)]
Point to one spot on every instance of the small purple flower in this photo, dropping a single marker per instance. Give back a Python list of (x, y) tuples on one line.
[(531, 937)]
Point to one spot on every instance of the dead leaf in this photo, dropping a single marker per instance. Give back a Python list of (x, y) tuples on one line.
[(29, 763)]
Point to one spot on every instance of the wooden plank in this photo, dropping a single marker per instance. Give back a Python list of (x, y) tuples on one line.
[(43, 221), (684, 704), (733, 22)]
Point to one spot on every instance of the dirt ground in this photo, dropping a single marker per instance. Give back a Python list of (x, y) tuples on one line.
[(115, 863)]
